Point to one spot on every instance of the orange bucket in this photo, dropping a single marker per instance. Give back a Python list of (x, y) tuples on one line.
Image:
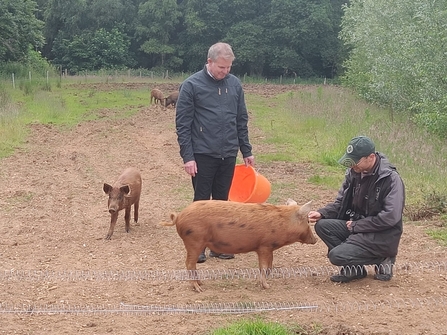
[(248, 185)]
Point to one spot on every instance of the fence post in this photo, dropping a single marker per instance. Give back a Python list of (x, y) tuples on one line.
[(13, 82), (29, 74)]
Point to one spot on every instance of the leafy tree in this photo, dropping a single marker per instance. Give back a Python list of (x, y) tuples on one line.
[(19, 28), (94, 51), (204, 24), (269, 37), (247, 40), (398, 56), (62, 22), (299, 32), (157, 21)]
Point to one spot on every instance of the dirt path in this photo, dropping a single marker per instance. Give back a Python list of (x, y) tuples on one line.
[(53, 219)]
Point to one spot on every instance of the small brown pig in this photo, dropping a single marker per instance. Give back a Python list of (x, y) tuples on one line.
[(171, 99), (124, 193), (157, 96), (233, 227)]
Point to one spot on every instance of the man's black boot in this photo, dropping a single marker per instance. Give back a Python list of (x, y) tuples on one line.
[(384, 270), (202, 257), (221, 256), (348, 273)]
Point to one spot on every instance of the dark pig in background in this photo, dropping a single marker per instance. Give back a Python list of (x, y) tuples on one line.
[(171, 99), (233, 227), (124, 193)]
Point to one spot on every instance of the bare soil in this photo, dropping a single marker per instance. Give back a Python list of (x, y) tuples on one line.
[(53, 220)]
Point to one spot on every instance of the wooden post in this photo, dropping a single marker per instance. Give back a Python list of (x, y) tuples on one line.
[(13, 82)]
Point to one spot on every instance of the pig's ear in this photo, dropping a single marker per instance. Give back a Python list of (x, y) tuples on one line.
[(125, 189), (305, 209), (291, 202), (107, 188)]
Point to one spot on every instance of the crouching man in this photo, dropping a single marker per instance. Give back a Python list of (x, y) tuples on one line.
[(363, 226)]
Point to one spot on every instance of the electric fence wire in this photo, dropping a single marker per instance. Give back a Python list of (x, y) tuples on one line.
[(201, 274), (223, 308), (218, 308)]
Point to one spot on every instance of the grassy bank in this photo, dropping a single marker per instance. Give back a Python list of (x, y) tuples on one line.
[(314, 124)]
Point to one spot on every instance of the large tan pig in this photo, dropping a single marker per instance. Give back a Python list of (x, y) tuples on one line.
[(124, 193), (232, 228)]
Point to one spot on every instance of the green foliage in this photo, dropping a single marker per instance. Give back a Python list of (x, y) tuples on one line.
[(157, 21), (244, 37), (432, 115), (398, 56), (19, 28), (33, 62), (93, 51), (315, 124), (432, 204), (270, 37), (12, 131), (261, 327), (439, 234)]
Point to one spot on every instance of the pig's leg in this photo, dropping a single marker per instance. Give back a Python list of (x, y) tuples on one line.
[(136, 205), (127, 218), (113, 219), (192, 254), (265, 257)]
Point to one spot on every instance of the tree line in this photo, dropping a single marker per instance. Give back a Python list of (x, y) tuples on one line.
[(391, 52), (269, 37)]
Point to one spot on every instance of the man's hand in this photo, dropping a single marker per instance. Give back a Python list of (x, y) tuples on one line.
[(249, 161), (348, 225), (191, 168), (313, 216)]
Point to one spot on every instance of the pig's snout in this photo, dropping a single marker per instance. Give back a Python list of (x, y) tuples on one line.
[(113, 209), (311, 239)]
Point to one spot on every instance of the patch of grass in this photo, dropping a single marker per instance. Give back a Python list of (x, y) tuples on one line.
[(68, 104), (12, 130), (325, 180), (59, 104), (439, 234), (258, 326)]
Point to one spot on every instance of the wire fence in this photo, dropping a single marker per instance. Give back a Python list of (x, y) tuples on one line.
[(18, 276), (224, 308), (203, 274)]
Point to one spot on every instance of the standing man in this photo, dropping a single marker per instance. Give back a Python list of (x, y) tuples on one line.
[(211, 121), (363, 226)]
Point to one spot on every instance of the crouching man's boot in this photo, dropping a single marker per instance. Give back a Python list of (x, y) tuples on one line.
[(202, 257), (384, 270), (348, 273)]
